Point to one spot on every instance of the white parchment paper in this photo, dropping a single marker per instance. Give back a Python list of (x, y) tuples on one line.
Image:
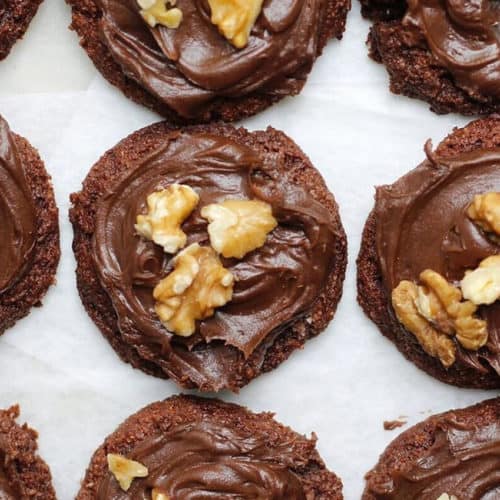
[(343, 385)]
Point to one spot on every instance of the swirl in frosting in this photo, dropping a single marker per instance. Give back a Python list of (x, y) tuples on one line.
[(464, 36), (189, 67), (276, 285), (206, 460), (17, 213), (463, 461), (422, 224)]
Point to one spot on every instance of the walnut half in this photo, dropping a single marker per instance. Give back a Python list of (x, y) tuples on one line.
[(238, 227), (235, 18), (125, 470), (434, 312), (167, 210), (198, 284)]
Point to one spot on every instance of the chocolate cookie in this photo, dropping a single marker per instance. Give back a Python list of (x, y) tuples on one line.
[(419, 243), (188, 447), (29, 228), (23, 474), (15, 17), (447, 54), (285, 287), (193, 73), (453, 455)]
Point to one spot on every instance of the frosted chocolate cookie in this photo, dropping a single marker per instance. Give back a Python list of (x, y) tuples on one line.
[(207, 254), (15, 17), (450, 456), (206, 60), (23, 474), (187, 447), (29, 228), (428, 268), (445, 53)]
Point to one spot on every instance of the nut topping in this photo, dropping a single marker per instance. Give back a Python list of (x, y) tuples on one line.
[(434, 312), (198, 284), (433, 342), (482, 286), (125, 470), (167, 210), (238, 226), (235, 18), (160, 12), (445, 496), (485, 212)]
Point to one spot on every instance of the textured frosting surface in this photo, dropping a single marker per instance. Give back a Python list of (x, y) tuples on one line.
[(464, 36), (206, 460), (463, 461), (17, 213), (189, 67), (422, 224), (276, 285)]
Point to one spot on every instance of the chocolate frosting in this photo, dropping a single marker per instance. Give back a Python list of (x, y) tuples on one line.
[(206, 460), (188, 67), (17, 213), (463, 461), (464, 36), (422, 224), (276, 285)]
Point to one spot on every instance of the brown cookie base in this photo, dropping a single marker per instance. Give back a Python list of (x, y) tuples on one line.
[(296, 169), (14, 22), (375, 301), (318, 482), (86, 15), (26, 472), (413, 71), (31, 288), (412, 444)]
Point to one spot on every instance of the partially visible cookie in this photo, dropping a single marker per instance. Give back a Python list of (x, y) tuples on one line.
[(15, 17), (453, 455), (420, 240), (188, 447), (29, 228), (23, 474), (192, 72), (439, 52)]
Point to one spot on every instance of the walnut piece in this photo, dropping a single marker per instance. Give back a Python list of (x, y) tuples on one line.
[(160, 12), (485, 212), (235, 18), (445, 496), (433, 342), (238, 226), (198, 284), (158, 495), (125, 470), (434, 312), (167, 210), (482, 286), (471, 332)]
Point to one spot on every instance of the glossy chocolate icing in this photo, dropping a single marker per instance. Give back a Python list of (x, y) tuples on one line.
[(464, 36), (206, 460), (276, 285), (17, 213), (422, 224), (187, 68), (463, 461)]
